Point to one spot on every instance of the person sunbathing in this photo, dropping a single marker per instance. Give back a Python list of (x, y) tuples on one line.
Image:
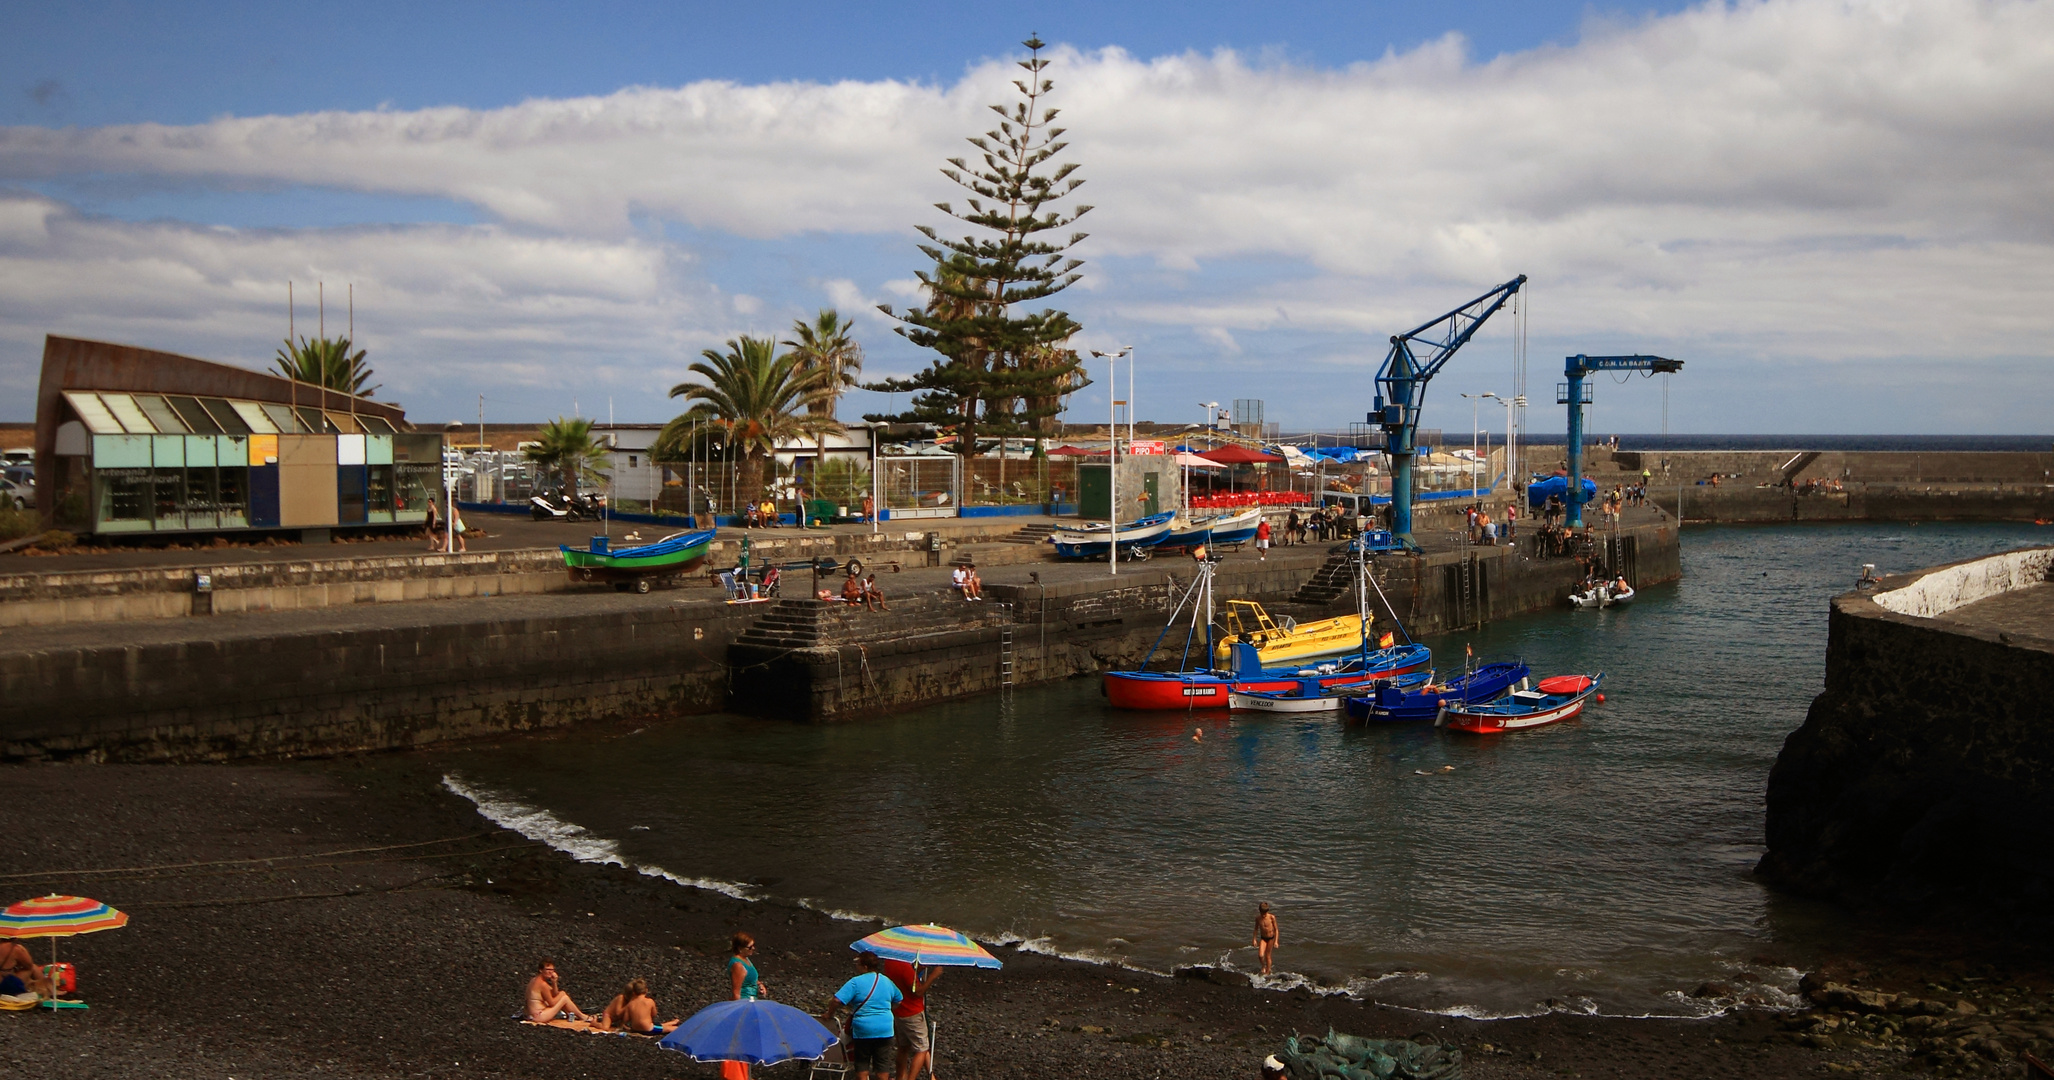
[(633, 1010), (19, 973), (548, 1001)]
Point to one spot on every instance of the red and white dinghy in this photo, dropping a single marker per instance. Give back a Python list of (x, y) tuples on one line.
[(1554, 700)]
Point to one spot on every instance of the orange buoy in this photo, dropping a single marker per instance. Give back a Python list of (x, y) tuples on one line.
[(1601, 699)]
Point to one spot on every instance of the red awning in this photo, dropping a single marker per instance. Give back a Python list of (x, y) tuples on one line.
[(1238, 455)]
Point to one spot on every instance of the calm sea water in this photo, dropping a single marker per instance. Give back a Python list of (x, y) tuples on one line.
[(1598, 865)]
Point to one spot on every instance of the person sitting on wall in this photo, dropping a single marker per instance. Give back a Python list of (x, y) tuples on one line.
[(973, 585), (873, 595), (959, 580), (852, 589)]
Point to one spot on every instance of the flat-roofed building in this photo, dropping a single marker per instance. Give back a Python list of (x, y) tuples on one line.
[(132, 440)]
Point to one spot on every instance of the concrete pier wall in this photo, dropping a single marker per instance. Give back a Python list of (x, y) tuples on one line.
[(1923, 777), (266, 686)]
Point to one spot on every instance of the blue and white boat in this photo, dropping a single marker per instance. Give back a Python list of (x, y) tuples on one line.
[(1094, 540), (1189, 530), (1395, 703), (1311, 695)]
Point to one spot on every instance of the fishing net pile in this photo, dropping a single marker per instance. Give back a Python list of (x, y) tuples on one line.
[(1348, 1057)]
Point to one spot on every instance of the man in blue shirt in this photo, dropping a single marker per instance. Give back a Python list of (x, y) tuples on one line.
[(869, 997)]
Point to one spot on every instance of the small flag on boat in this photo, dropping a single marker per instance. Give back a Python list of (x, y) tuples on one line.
[(1386, 641)]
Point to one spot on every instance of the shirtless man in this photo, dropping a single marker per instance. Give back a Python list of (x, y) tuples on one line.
[(634, 1010), (18, 973), (1265, 935), (547, 1001)]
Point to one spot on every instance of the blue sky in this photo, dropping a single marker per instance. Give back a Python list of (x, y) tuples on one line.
[(1827, 210)]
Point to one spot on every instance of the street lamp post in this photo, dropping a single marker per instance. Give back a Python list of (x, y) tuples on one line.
[(1475, 403), (1112, 450), (1517, 401)]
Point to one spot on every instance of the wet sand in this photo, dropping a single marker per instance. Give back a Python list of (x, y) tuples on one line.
[(410, 960)]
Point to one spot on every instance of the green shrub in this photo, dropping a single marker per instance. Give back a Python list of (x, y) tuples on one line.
[(15, 524)]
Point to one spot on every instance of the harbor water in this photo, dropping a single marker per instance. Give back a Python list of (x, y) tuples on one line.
[(1600, 865)]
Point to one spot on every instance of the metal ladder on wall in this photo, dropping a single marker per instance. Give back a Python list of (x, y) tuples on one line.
[(1005, 650), (1466, 571)]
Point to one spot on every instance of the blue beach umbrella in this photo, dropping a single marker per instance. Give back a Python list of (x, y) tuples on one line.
[(756, 1031)]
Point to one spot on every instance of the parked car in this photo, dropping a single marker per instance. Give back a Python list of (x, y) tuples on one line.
[(18, 456), (25, 475), (17, 496)]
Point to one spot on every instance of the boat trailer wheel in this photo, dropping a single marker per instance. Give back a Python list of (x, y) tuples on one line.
[(586, 573), (642, 586)]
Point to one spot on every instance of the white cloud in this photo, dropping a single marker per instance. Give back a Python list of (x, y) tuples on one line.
[(1810, 180)]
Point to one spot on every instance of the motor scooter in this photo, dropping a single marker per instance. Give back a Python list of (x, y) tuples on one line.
[(563, 508)]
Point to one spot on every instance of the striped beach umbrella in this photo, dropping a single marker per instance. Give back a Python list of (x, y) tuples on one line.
[(55, 916), (58, 916), (928, 946)]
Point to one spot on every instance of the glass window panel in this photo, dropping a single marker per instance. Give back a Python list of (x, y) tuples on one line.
[(92, 412), (343, 422), (132, 419), (253, 414), (195, 417), (283, 419), (233, 490), (125, 494), (160, 414), (315, 423), (378, 489), (415, 483), (170, 496), (376, 425), (224, 415), (202, 491)]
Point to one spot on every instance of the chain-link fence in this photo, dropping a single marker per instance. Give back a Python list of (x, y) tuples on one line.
[(914, 484)]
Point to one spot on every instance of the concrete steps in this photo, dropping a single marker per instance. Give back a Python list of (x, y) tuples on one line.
[(1031, 534), (789, 624), (1327, 584)]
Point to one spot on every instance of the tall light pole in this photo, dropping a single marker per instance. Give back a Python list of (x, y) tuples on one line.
[(1211, 417), (1511, 441), (1475, 403), (1112, 450)]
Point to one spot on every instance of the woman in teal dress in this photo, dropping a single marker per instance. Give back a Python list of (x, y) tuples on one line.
[(743, 986)]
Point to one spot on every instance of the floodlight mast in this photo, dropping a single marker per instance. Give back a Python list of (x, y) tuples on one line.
[(1401, 388)]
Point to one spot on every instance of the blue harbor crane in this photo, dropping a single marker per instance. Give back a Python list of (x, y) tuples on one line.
[(1401, 387), (1576, 394)]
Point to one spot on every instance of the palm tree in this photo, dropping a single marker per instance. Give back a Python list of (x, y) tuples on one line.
[(568, 447), (755, 397), (327, 363), (824, 346)]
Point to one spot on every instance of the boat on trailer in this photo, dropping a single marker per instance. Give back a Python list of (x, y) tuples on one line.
[(1553, 701), (1096, 539), (638, 567), (1395, 703), (1215, 530)]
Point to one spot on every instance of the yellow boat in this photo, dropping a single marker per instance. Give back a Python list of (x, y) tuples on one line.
[(1285, 642)]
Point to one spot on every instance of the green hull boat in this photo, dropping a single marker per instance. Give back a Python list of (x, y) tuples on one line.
[(672, 556)]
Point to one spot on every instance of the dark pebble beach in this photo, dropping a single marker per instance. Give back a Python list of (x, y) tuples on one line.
[(351, 917)]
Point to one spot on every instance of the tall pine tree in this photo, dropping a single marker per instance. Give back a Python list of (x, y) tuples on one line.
[(1001, 372)]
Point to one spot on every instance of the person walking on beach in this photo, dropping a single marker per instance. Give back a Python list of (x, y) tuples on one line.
[(909, 1016), (1265, 935), (869, 998), (548, 1001)]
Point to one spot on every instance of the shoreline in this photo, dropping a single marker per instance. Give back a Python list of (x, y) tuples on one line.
[(409, 960)]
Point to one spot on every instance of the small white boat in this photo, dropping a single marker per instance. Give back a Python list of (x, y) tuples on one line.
[(1614, 598), (1303, 699), (1603, 596), (1095, 539)]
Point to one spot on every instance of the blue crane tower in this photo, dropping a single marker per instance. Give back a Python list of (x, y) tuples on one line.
[(1401, 387), (1576, 394)]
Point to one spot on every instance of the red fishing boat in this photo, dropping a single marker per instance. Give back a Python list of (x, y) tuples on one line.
[(1209, 689)]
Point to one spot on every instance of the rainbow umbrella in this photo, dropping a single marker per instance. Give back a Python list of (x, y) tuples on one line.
[(55, 916), (927, 946)]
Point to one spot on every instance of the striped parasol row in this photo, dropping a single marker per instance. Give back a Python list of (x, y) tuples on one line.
[(58, 916), (929, 945)]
